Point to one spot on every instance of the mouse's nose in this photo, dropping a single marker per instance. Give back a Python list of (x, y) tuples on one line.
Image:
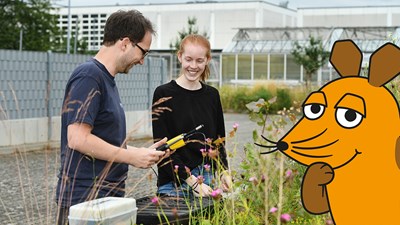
[(282, 146)]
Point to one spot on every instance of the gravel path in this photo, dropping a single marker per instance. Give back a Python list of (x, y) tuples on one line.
[(28, 180)]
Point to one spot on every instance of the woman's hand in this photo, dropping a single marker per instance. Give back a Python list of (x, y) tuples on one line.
[(198, 187), (226, 181), (201, 190)]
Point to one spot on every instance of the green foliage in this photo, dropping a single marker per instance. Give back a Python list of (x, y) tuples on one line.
[(266, 186), (236, 98), (272, 180), (192, 29), (311, 56), (80, 48), (33, 17), (283, 100), (240, 99)]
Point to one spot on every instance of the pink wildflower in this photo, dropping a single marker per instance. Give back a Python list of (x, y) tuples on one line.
[(329, 222), (207, 167), (254, 180), (285, 218), (289, 173), (216, 194), (176, 168), (262, 178), (200, 179), (203, 152), (175, 212), (273, 209), (213, 153), (188, 170), (155, 200), (235, 126)]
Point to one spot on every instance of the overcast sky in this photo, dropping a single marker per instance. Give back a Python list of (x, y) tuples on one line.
[(292, 3)]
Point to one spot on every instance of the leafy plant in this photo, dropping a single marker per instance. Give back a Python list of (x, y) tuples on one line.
[(192, 29), (28, 21), (311, 56), (235, 98), (267, 187)]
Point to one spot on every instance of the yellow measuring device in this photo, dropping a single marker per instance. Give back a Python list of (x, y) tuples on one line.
[(179, 140)]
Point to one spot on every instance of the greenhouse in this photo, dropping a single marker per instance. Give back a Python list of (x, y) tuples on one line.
[(264, 54)]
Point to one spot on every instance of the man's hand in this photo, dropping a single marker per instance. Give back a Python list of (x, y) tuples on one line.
[(146, 157)]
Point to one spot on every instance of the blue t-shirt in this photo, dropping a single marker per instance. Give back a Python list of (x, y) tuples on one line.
[(91, 97)]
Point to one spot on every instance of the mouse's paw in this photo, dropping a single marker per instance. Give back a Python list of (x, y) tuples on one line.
[(320, 173)]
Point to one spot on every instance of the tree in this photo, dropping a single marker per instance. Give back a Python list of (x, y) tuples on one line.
[(192, 29), (32, 19), (77, 45), (311, 56)]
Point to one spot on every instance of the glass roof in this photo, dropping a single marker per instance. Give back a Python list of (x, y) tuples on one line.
[(281, 40)]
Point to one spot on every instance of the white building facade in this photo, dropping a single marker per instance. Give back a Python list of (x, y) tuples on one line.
[(248, 57), (217, 19)]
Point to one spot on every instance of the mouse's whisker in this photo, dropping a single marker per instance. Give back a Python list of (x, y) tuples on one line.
[(273, 142), (265, 146)]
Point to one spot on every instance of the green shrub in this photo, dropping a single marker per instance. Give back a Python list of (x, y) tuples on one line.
[(235, 99), (283, 100), (240, 98)]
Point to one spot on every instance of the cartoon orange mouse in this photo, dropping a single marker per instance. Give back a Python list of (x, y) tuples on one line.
[(349, 140)]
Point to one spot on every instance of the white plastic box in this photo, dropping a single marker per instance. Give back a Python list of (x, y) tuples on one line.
[(104, 211)]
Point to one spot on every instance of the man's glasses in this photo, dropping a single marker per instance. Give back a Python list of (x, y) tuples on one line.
[(144, 52)]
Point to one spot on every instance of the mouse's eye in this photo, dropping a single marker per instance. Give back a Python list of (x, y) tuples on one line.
[(348, 118), (313, 111)]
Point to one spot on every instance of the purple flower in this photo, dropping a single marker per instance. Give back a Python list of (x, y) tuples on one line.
[(176, 168), (285, 218), (203, 152), (235, 125), (216, 194), (155, 200), (262, 178), (188, 170), (175, 212), (289, 173), (253, 180), (200, 179), (273, 209), (328, 222)]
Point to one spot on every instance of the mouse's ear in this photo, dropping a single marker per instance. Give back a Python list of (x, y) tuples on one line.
[(346, 58), (384, 65)]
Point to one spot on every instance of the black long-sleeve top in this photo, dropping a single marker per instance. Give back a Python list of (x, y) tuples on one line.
[(185, 110)]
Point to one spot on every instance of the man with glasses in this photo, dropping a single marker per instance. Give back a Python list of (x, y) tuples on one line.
[(144, 52), (94, 153)]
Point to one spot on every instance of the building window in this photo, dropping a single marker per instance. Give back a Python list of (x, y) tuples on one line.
[(292, 69), (228, 68), (244, 67), (276, 67), (261, 67)]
